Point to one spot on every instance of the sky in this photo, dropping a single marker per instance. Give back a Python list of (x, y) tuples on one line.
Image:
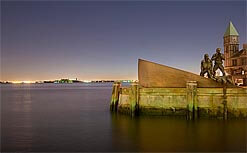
[(92, 40)]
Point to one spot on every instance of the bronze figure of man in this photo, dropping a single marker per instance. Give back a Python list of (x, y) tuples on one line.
[(206, 66), (218, 62)]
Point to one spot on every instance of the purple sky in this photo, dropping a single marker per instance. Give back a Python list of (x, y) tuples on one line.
[(43, 40)]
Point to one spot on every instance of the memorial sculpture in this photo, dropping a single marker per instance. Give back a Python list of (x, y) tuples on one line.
[(218, 58), (167, 91), (208, 68)]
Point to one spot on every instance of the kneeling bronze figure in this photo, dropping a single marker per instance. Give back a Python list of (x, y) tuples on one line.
[(206, 66)]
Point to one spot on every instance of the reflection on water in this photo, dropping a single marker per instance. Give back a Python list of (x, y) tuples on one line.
[(20, 108), (174, 134), (76, 117)]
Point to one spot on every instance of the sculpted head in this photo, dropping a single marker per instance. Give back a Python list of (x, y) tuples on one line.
[(218, 50), (206, 56)]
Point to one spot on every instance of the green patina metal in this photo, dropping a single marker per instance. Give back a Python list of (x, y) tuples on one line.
[(231, 30)]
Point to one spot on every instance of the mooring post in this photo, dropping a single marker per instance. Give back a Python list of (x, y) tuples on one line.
[(115, 96), (225, 101), (192, 100), (133, 98)]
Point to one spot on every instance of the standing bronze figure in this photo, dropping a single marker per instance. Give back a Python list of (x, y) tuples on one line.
[(218, 62), (206, 66)]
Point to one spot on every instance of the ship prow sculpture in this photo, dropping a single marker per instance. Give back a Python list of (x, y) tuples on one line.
[(153, 75)]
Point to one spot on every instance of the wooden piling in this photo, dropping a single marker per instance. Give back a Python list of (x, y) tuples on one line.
[(225, 102), (133, 97), (192, 105), (115, 96)]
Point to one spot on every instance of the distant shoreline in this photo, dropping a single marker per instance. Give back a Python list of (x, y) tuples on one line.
[(67, 82)]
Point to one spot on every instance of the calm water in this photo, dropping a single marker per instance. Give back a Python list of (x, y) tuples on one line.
[(76, 117)]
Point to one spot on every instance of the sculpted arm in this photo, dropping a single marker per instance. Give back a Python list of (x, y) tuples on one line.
[(201, 65), (223, 56), (213, 57), (201, 73)]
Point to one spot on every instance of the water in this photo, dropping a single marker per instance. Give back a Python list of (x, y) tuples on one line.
[(76, 117)]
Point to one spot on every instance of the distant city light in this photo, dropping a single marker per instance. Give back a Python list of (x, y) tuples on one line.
[(66, 81), (87, 81), (23, 82)]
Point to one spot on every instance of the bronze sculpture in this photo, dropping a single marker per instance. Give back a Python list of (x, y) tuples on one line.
[(218, 62), (206, 66), (224, 79)]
